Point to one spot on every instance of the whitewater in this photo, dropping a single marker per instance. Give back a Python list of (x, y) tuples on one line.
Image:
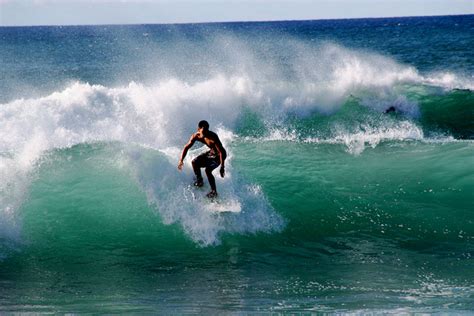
[(349, 178)]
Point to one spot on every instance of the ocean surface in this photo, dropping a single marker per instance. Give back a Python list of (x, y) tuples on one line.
[(349, 184)]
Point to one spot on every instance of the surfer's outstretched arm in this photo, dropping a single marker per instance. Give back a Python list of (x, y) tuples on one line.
[(190, 144)]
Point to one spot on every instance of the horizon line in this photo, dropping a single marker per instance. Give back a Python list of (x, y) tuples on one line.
[(241, 21)]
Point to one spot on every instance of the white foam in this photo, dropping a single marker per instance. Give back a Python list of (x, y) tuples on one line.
[(242, 208), (367, 135), (448, 80), (356, 139), (224, 205)]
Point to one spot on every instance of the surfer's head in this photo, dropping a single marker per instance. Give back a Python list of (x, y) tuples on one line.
[(204, 125)]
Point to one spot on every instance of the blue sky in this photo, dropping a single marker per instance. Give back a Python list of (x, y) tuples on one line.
[(67, 12)]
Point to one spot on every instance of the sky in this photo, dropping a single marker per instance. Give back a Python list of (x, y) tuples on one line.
[(79, 12)]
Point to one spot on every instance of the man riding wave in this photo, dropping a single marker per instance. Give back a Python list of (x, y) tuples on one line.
[(210, 159)]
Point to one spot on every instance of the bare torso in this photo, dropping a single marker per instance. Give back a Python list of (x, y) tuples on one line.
[(212, 141)]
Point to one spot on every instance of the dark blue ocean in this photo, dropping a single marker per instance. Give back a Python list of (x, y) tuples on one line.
[(350, 171)]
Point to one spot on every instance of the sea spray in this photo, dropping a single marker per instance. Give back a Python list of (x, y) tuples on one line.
[(177, 201)]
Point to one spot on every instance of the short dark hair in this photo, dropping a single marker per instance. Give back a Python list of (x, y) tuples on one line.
[(204, 124)]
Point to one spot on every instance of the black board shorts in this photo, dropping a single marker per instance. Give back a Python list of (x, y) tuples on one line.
[(207, 160)]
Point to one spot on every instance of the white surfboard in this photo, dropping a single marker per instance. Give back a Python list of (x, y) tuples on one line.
[(224, 206)]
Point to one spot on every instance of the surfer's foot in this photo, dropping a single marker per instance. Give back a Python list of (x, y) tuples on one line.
[(212, 194), (199, 182)]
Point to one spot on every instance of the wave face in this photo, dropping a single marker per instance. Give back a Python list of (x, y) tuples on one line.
[(350, 169)]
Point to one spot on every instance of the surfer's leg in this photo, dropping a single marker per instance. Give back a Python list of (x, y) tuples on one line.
[(198, 163), (197, 168), (212, 164), (210, 177)]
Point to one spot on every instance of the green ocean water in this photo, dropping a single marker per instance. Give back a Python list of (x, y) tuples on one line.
[(349, 179), (386, 228)]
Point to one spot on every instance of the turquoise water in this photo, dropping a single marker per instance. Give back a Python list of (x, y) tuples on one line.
[(336, 206)]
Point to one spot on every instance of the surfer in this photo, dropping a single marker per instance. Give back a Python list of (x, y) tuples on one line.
[(210, 159)]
